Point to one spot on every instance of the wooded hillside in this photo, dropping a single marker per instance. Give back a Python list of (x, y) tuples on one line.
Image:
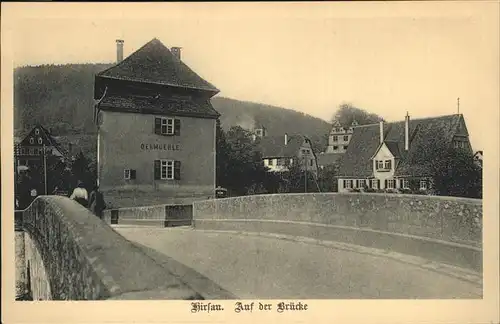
[(60, 97)]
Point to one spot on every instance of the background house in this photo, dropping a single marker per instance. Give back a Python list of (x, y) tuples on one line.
[(280, 152), (39, 165), (156, 138), (390, 155), (338, 142)]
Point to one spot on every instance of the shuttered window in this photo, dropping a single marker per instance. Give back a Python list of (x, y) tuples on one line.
[(167, 126), (167, 170)]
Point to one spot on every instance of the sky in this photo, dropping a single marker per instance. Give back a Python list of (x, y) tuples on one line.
[(387, 58)]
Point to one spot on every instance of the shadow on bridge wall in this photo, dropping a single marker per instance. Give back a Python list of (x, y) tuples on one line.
[(445, 229), (70, 254), (157, 215)]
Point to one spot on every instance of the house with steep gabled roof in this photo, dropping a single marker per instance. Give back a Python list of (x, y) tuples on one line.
[(28, 151), (156, 128), (280, 152), (389, 155)]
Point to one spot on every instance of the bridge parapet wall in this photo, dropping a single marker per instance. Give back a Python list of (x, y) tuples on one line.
[(85, 259), (443, 228)]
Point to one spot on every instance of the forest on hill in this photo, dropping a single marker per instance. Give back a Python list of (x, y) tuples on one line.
[(60, 97)]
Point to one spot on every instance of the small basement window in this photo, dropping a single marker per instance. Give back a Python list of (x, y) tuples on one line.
[(129, 174)]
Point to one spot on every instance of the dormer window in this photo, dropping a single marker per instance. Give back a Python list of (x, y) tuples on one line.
[(37, 131), (383, 165), (32, 140), (40, 140)]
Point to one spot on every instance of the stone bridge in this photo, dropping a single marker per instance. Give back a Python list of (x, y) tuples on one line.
[(263, 246)]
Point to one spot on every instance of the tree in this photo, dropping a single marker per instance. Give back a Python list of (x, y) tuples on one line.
[(239, 162), (81, 170), (456, 174), (347, 113), (327, 178)]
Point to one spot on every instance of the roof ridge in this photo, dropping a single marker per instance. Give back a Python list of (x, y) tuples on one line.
[(411, 119)]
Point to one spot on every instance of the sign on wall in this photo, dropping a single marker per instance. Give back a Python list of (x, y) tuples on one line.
[(160, 147)]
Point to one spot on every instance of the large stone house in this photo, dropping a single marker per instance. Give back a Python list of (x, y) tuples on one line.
[(389, 155), (156, 129)]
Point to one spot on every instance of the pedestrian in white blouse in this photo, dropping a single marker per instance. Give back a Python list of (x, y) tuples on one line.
[(80, 194)]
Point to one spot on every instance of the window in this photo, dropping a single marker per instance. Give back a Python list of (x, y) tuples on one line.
[(345, 147), (32, 140), (335, 147), (266, 162), (37, 131), (30, 151), (291, 161), (423, 184), (167, 126), (167, 170), (40, 140), (311, 162), (129, 174), (335, 138), (382, 165), (347, 184), (346, 138), (390, 184), (23, 151), (374, 184), (405, 184)]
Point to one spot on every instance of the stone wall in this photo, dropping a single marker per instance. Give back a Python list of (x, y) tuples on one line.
[(83, 258), (446, 228), (158, 215)]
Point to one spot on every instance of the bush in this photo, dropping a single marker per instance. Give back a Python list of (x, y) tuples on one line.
[(354, 190), (404, 191)]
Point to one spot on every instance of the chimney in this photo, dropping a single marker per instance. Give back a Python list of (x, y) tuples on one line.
[(381, 131), (407, 132), (176, 51), (119, 50), (286, 139)]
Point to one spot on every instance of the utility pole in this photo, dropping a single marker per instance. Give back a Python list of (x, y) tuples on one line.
[(458, 106), (45, 168), (305, 174)]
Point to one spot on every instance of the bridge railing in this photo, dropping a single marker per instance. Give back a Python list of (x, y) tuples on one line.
[(445, 229), (83, 258)]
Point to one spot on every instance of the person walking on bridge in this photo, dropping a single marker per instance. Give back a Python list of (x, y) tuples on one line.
[(80, 194), (96, 202)]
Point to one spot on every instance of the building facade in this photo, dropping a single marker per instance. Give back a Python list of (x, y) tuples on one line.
[(281, 152), (387, 156), (338, 142), (156, 138)]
